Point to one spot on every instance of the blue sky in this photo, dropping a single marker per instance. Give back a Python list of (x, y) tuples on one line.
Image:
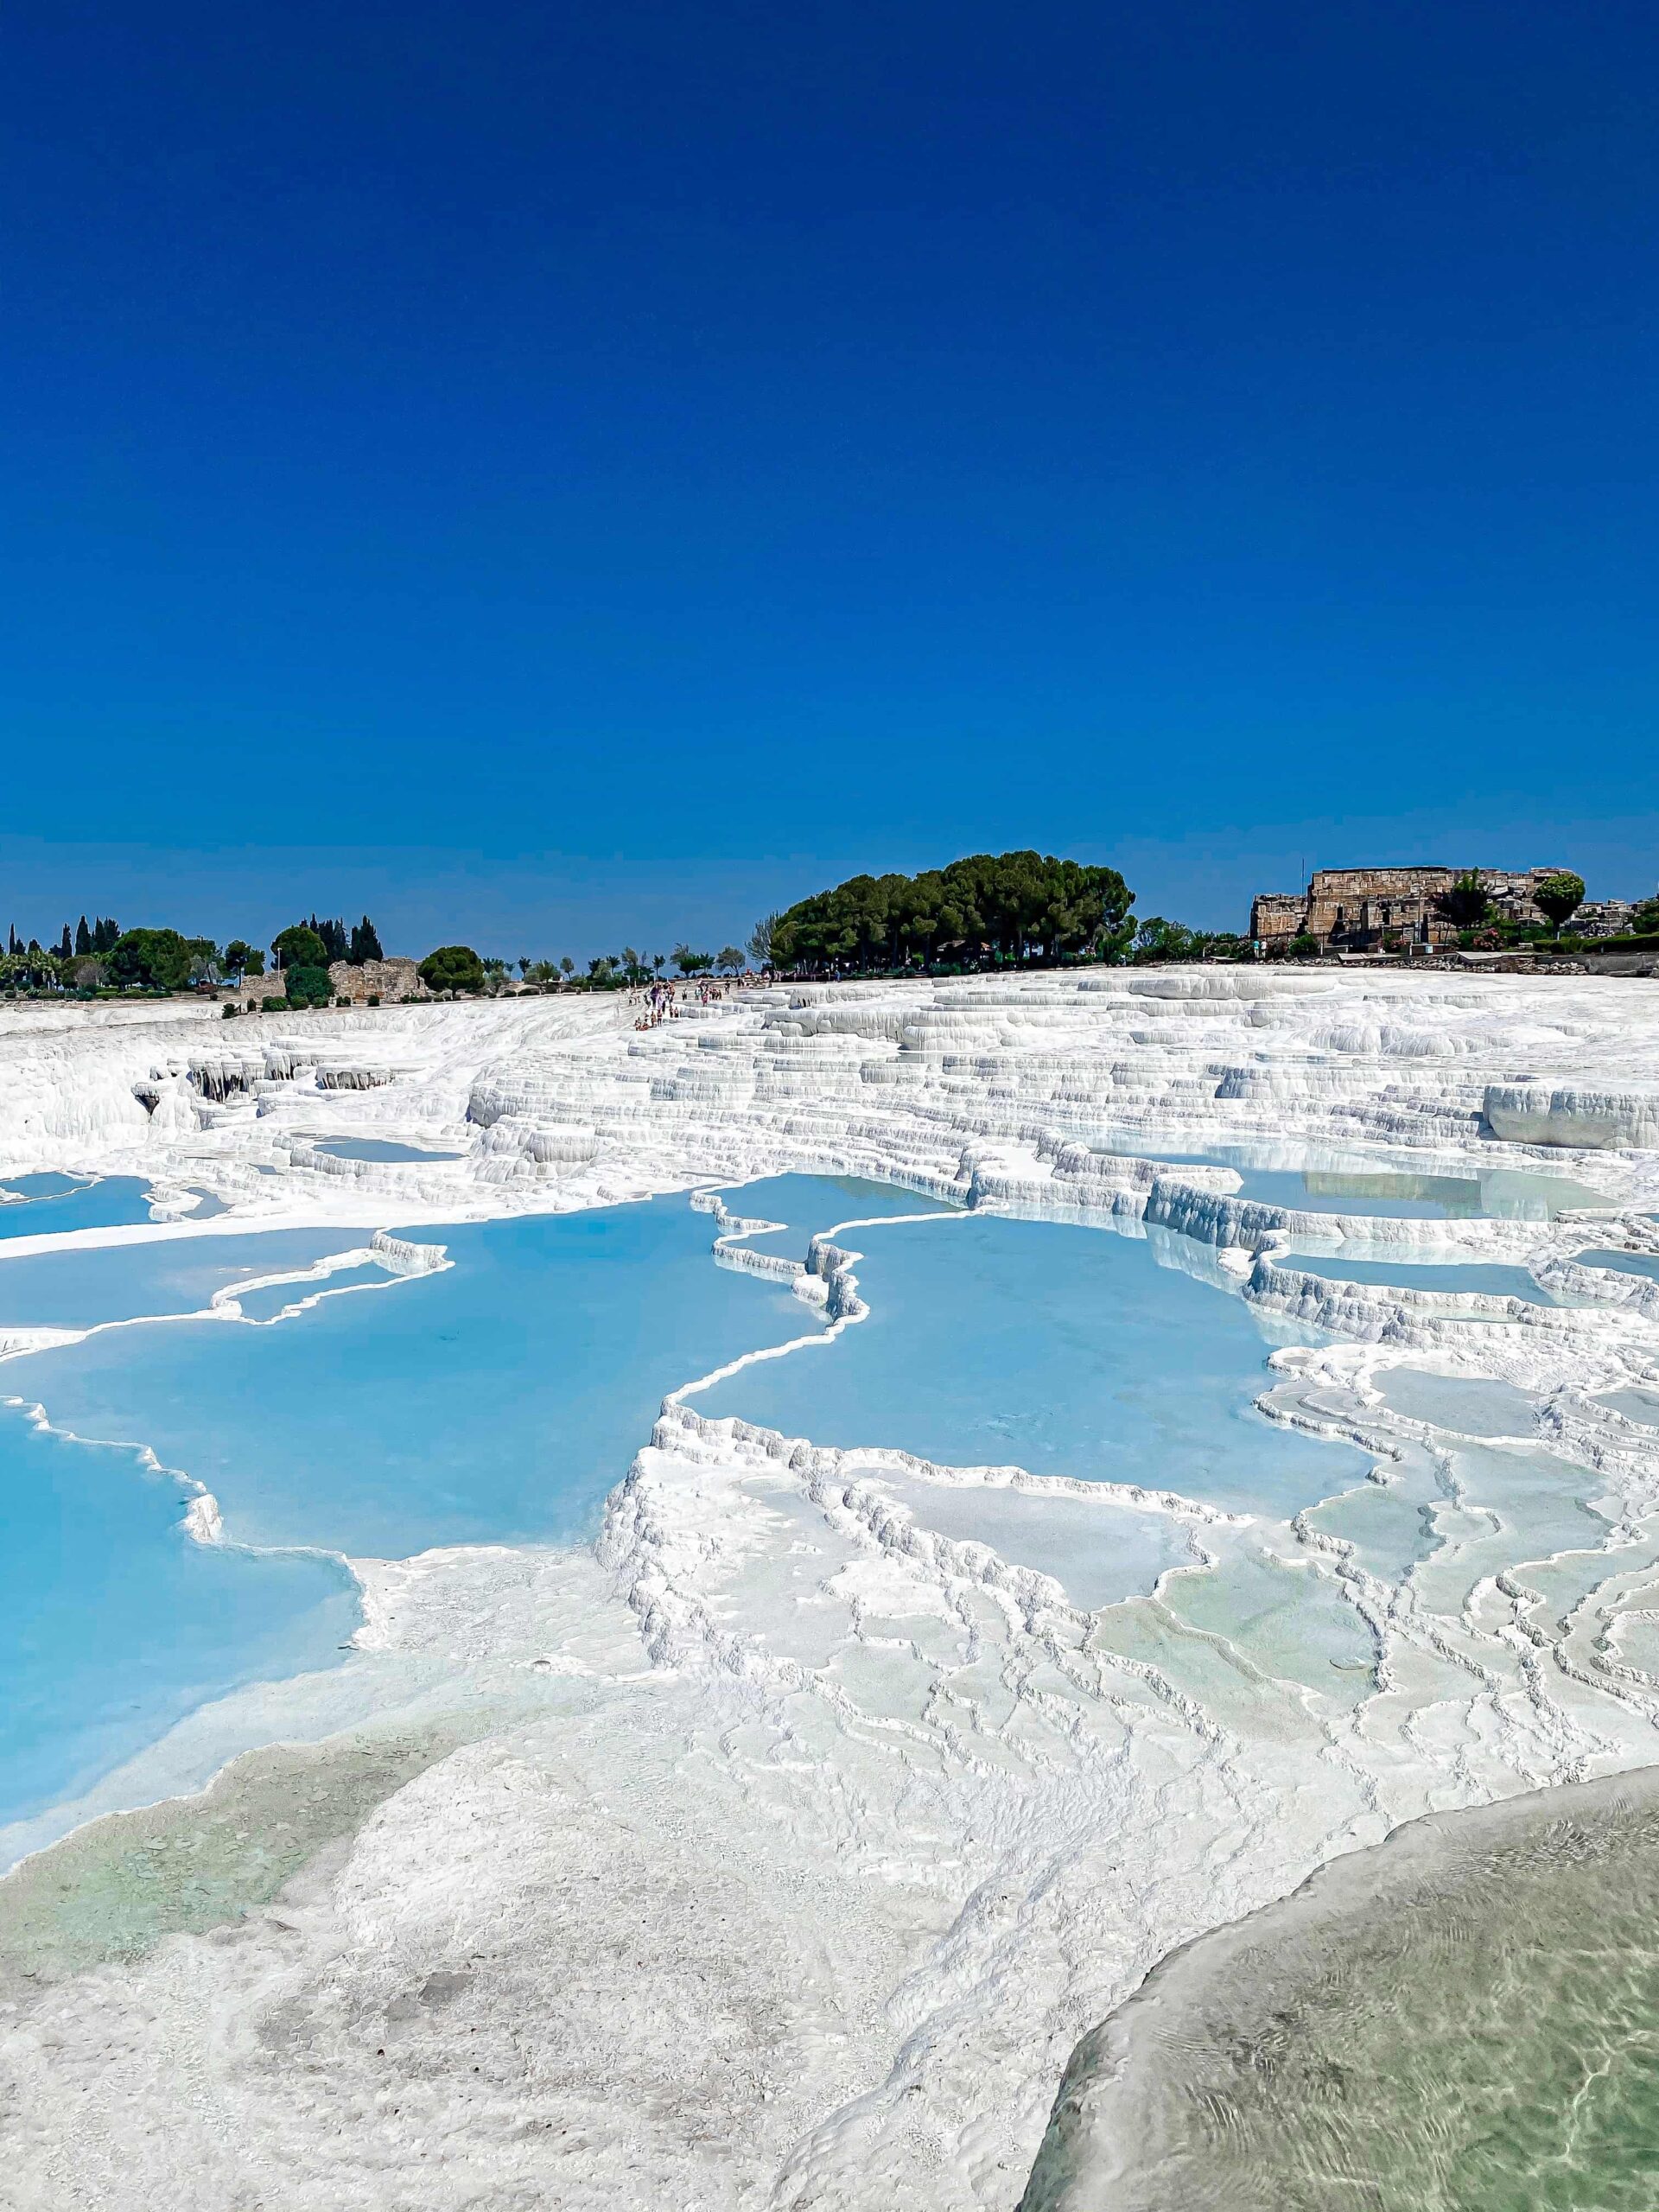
[(553, 475)]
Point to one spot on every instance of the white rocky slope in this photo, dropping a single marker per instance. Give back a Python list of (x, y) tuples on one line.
[(796, 1843)]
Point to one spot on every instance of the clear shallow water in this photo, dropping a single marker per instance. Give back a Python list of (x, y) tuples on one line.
[(114, 1622), (497, 1400), (1635, 1405), (50, 1208), (1465, 2019), (1407, 1273), (119, 1282), (267, 1305), (1099, 1553), (804, 1203), (995, 1342), (1466, 1405), (1329, 1183), (1624, 1264), (384, 1148)]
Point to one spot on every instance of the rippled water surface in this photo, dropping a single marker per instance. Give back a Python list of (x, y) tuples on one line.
[(1465, 2019)]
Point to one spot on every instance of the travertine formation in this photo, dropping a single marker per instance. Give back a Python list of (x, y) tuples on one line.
[(795, 1842)]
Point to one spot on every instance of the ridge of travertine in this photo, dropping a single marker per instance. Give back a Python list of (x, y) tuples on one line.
[(807, 1841)]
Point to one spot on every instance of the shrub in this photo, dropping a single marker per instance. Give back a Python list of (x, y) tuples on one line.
[(374, 998), (230, 1011), (342, 999), (1559, 896), (452, 968), (309, 987)]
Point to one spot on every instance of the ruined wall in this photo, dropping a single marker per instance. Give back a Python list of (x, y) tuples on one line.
[(1361, 908), (390, 981)]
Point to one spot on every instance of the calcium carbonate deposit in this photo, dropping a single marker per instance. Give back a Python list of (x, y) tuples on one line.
[(777, 1849)]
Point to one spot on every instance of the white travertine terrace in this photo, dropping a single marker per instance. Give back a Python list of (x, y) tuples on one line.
[(802, 1840)]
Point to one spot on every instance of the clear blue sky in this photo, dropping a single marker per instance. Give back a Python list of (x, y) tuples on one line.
[(555, 475)]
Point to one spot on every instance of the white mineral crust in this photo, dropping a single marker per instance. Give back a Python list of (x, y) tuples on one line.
[(800, 1842)]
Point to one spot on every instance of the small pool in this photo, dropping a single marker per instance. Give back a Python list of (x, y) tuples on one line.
[(995, 1342), (56, 1205), (79, 1289), (1623, 1263), (1403, 1273), (388, 1149), (1330, 1182)]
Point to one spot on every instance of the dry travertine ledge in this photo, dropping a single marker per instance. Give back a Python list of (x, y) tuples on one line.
[(802, 1843)]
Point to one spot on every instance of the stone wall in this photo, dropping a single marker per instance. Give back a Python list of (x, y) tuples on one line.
[(1360, 909), (390, 981)]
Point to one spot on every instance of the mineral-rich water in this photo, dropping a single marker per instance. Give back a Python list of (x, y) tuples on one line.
[(58, 1205), (998, 1342), (80, 1287), (1461, 2020), (1323, 1181)]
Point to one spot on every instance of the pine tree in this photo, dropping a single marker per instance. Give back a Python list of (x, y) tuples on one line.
[(83, 939)]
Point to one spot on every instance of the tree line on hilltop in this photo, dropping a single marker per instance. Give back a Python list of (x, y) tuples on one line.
[(990, 910), (1013, 909), (103, 957)]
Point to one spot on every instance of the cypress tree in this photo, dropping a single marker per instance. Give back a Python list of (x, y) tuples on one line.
[(83, 937), (365, 944)]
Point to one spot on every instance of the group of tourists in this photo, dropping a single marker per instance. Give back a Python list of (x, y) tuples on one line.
[(661, 1001)]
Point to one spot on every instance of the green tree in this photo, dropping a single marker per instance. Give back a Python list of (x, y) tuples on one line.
[(307, 985), (242, 959), (452, 968), (299, 946), (365, 944), (156, 960), (567, 966), (1559, 896), (692, 963), (760, 940), (730, 957), (1467, 904)]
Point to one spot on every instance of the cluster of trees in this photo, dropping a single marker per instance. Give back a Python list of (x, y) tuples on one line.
[(360, 944), (988, 910), (102, 956), (458, 968), (1469, 906)]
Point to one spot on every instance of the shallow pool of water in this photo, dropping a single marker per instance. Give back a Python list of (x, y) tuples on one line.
[(1406, 1272), (495, 1401), (54, 1205), (995, 1342), (78, 1289), (1464, 2019), (114, 1622), (1331, 1182), (1623, 1263), (1099, 1551), (383, 1148)]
